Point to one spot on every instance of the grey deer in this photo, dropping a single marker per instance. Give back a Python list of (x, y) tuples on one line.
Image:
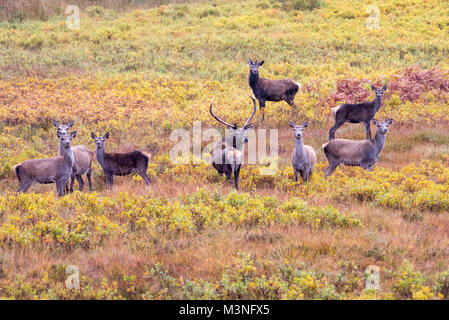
[(356, 113), (49, 170), (363, 153), (303, 157), (120, 164), (83, 158), (227, 155)]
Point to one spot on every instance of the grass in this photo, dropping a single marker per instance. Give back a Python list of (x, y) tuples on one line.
[(142, 72)]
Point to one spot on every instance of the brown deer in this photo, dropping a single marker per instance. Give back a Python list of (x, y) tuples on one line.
[(363, 153), (270, 90), (120, 164), (83, 158), (50, 170), (227, 155)]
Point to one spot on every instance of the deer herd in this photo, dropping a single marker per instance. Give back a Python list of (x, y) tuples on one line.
[(227, 155)]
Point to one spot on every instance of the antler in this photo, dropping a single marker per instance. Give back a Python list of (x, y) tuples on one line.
[(247, 124), (218, 119)]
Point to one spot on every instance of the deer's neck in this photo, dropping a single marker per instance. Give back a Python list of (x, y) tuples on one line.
[(379, 142), (61, 148), (100, 156), (253, 79), (299, 148), (377, 102), (68, 156), (231, 141)]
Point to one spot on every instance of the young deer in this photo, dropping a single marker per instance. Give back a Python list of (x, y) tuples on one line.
[(83, 159), (363, 153), (120, 164), (50, 170), (355, 113), (270, 90), (227, 155), (304, 157)]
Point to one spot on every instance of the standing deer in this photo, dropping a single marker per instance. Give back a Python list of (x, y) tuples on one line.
[(120, 164), (304, 157), (83, 158), (270, 90), (227, 155), (355, 113), (363, 153), (50, 170)]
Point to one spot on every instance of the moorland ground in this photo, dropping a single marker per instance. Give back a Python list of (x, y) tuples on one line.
[(141, 73)]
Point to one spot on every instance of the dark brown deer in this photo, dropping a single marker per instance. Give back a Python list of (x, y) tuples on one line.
[(120, 164), (227, 155), (270, 90), (50, 170), (356, 113)]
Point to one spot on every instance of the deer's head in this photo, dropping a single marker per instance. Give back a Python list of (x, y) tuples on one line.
[(298, 128), (62, 128), (99, 141), (254, 66), (379, 92), (238, 135), (66, 139), (382, 127)]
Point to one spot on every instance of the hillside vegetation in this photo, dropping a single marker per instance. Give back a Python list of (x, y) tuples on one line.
[(141, 73)]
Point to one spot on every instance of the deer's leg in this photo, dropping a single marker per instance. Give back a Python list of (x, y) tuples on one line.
[(337, 125), (236, 177), (144, 176), (262, 108), (368, 130), (304, 176), (296, 174), (60, 186), (109, 180), (329, 170), (24, 186), (89, 179), (72, 181), (290, 99), (367, 165), (80, 180)]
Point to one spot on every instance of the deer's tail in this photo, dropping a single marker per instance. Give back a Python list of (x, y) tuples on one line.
[(146, 154), (17, 171)]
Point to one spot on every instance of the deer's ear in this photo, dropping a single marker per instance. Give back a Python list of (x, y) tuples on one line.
[(106, 136), (58, 134), (375, 122), (389, 121), (291, 124), (261, 63), (373, 88), (70, 124), (93, 135), (305, 124), (73, 134), (55, 123), (249, 61), (385, 88)]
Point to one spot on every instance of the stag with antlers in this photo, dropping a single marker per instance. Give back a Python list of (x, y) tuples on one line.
[(227, 155)]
